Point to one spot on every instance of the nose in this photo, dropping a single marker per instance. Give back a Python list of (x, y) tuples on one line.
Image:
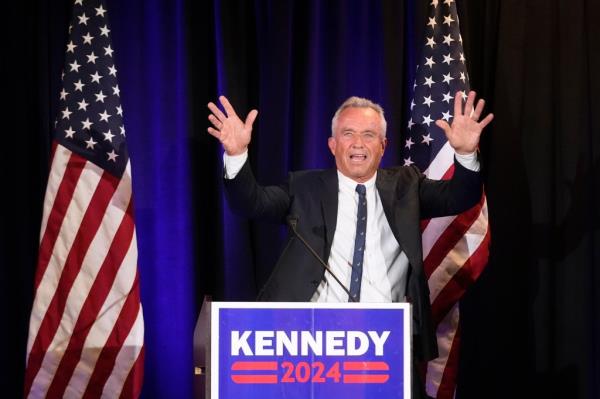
[(358, 141)]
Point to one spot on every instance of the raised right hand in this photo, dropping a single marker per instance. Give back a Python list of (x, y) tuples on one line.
[(233, 134)]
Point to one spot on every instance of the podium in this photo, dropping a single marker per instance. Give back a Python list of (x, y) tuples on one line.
[(302, 350)]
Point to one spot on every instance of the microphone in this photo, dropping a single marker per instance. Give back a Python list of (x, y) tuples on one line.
[(292, 222)]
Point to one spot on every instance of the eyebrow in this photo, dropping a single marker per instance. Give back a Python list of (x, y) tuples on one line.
[(349, 129)]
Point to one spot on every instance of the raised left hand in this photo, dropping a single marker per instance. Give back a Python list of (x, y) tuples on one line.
[(464, 132)]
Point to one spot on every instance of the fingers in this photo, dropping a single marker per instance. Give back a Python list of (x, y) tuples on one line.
[(216, 111), (215, 122), (214, 132), (228, 107), (220, 116), (478, 109), (469, 111), (486, 120), (442, 124), (251, 118), (458, 104), (469, 104)]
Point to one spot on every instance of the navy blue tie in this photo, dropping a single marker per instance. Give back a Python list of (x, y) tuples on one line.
[(359, 244)]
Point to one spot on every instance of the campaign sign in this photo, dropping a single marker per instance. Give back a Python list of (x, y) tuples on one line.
[(310, 350)]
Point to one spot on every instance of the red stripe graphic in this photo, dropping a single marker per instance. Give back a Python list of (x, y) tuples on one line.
[(453, 233), (366, 366), (52, 151), (365, 379), (461, 281), (252, 366), (449, 173), (107, 358), (93, 303), (87, 230), (254, 379), (447, 385), (63, 198), (132, 388)]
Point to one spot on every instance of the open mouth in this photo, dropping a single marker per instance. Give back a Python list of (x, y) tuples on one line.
[(358, 157)]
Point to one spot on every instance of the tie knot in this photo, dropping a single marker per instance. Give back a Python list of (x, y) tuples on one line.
[(361, 189)]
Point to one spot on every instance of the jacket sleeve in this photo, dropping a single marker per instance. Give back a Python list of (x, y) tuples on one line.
[(450, 197), (249, 199)]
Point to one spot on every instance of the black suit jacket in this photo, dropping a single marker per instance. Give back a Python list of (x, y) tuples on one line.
[(312, 195)]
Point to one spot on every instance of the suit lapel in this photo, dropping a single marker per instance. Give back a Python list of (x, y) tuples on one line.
[(394, 208), (329, 205), (387, 188)]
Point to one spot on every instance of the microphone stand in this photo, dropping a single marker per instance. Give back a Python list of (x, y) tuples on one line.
[(292, 221)]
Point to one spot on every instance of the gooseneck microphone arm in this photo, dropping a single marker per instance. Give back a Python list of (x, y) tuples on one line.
[(292, 222)]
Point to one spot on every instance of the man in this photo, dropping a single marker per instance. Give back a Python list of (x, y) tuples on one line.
[(363, 220)]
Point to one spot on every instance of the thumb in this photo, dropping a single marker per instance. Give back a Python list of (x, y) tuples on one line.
[(250, 119), (442, 124)]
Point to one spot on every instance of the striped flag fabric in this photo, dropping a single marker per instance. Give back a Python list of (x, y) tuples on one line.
[(456, 248), (86, 330)]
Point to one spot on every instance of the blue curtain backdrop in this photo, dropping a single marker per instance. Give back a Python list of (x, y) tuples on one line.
[(296, 62), (302, 60), (149, 40), (530, 324)]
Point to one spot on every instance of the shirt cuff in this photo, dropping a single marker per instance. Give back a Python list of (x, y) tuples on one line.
[(469, 161), (234, 163)]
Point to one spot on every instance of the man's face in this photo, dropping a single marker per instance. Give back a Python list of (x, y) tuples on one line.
[(358, 143)]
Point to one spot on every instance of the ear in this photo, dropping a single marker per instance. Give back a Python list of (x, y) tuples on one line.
[(383, 145), (331, 143)]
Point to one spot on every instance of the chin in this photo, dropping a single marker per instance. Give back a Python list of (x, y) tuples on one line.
[(361, 177)]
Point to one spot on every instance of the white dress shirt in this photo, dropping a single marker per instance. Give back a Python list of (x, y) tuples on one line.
[(385, 266)]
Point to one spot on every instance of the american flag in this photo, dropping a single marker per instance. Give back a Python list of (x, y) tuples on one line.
[(86, 331), (455, 249)]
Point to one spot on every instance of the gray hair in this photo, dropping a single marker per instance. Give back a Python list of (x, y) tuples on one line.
[(358, 102)]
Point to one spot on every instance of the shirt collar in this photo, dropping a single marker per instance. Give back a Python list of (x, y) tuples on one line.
[(347, 184)]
